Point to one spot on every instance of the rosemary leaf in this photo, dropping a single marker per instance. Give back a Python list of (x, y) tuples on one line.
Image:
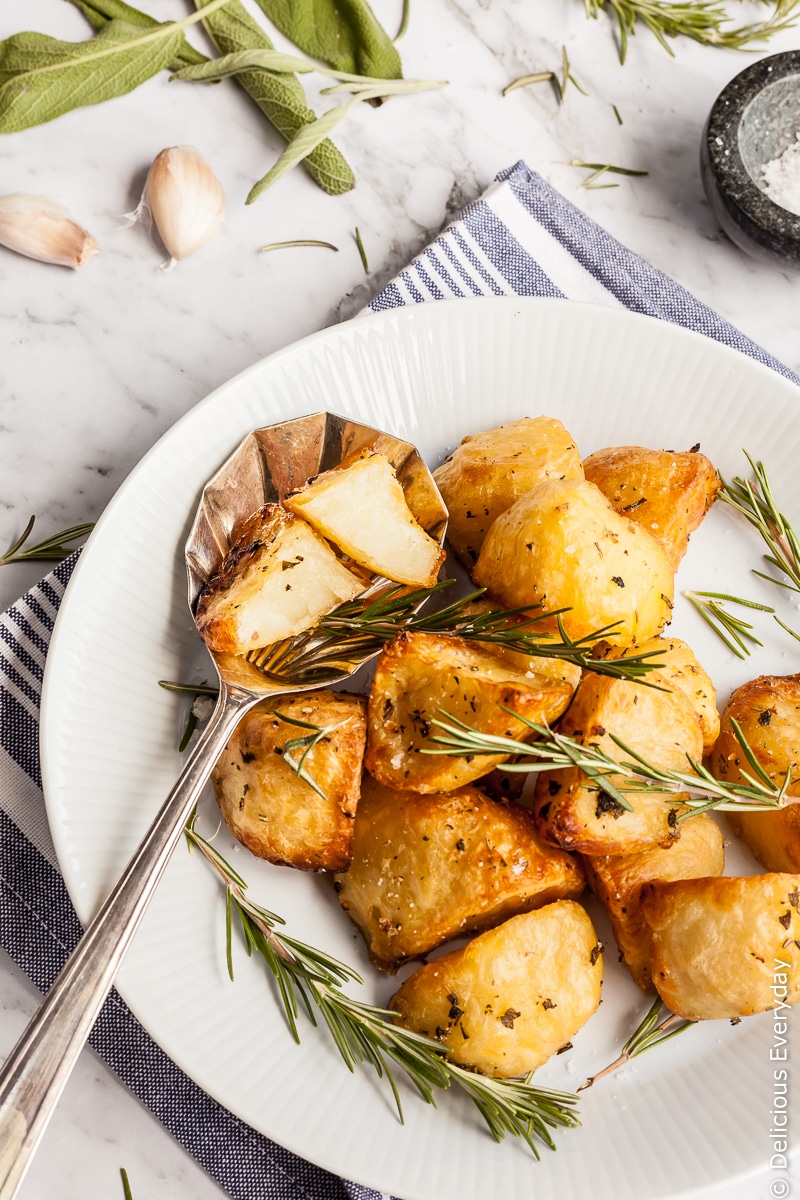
[(126, 1187), (51, 549), (617, 114), (361, 251), (280, 97), (756, 503), (299, 242), (788, 628), (599, 169), (733, 631), (650, 1032), (365, 1034), (41, 78), (527, 80)]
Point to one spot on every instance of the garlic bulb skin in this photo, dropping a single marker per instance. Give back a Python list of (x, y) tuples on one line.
[(185, 200), (39, 228)]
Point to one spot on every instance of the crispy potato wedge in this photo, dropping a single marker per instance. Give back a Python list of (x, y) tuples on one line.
[(617, 880), (720, 946), (279, 578), (268, 807), (768, 711), (514, 996), (362, 509), (489, 471), (562, 545), (666, 492), (659, 725), (683, 672), (419, 675), (428, 868)]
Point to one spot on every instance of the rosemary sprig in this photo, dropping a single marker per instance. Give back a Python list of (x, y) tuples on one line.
[(733, 631), (395, 612), (755, 501), (600, 169), (311, 980), (361, 251), (656, 1027), (305, 744), (701, 20), (557, 751), (51, 549)]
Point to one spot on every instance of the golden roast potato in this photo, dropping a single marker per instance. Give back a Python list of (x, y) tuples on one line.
[(268, 807), (489, 471), (660, 725), (428, 868), (666, 492), (562, 545), (277, 579), (419, 675), (514, 996), (768, 712), (617, 880), (683, 673), (361, 507), (719, 947)]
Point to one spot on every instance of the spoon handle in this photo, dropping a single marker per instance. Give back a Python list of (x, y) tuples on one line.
[(39, 1066)]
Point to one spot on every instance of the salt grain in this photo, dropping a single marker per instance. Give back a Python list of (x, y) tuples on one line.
[(782, 178)]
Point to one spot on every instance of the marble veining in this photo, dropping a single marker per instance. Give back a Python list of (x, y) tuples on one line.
[(95, 366)]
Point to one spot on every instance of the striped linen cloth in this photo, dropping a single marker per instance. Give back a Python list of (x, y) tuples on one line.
[(521, 237)]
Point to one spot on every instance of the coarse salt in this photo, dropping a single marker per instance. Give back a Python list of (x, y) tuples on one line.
[(782, 178)]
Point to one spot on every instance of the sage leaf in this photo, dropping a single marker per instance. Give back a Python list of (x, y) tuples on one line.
[(345, 34), (302, 144), (99, 12), (41, 78), (280, 97)]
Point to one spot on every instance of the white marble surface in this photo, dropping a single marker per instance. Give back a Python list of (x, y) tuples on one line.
[(95, 366)]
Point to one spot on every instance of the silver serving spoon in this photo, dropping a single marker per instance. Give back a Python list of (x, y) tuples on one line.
[(268, 464)]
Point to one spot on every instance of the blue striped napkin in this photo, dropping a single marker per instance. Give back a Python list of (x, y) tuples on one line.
[(521, 237)]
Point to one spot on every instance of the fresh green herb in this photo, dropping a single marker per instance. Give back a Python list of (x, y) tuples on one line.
[(617, 114), (99, 12), (600, 169), (342, 33), (52, 549), (406, 13), (306, 745), (126, 1187), (280, 97), (299, 242), (701, 20), (559, 82), (42, 78), (755, 501), (733, 631), (658, 1026), (788, 628), (309, 979), (556, 751), (193, 689), (361, 251)]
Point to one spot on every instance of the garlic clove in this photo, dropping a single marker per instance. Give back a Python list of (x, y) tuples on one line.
[(39, 228), (185, 200)]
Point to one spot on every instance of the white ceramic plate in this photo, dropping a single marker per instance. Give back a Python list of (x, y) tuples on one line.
[(681, 1118)]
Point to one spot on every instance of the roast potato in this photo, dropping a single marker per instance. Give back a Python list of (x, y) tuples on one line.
[(361, 507), (562, 545), (268, 807), (768, 711), (419, 675), (427, 868), (659, 725), (720, 946), (666, 492), (514, 996), (680, 669), (489, 471), (617, 879), (278, 578)]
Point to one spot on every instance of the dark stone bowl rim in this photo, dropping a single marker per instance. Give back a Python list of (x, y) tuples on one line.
[(722, 134)]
